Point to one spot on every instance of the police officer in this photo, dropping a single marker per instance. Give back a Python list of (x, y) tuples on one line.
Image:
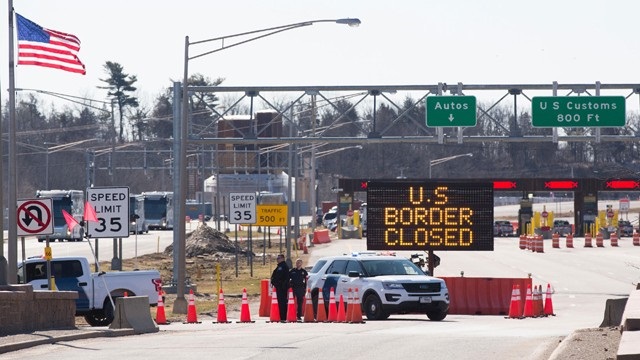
[(298, 277), (280, 281)]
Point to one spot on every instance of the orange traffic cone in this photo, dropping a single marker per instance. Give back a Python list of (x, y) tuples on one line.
[(537, 301), (540, 301), (548, 304), (528, 303), (222, 310), (161, 318), (274, 314), (349, 309), (291, 308), (342, 315), (321, 315), (308, 309), (534, 298), (245, 315), (514, 307), (356, 316), (192, 317), (333, 310)]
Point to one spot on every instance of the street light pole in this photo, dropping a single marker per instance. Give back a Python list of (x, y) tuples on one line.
[(432, 163), (180, 179), (443, 160), (46, 168)]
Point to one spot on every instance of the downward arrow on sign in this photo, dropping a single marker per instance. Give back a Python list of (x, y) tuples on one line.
[(451, 117)]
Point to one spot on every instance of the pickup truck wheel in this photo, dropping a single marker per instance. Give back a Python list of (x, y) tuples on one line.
[(373, 308), (437, 315), (97, 318)]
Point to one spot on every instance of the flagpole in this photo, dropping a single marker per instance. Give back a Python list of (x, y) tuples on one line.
[(12, 253)]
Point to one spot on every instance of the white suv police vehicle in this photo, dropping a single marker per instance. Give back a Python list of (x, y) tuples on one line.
[(386, 285)]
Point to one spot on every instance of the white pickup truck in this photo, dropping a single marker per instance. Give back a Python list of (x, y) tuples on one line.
[(74, 274)]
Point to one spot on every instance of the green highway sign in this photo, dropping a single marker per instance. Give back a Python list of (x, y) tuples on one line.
[(448, 111), (574, 111)]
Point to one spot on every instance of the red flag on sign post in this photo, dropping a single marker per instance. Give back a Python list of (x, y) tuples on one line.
[(71, 221), (90, 212)]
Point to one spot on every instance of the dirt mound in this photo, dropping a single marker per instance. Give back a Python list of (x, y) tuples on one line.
[(206, 240)]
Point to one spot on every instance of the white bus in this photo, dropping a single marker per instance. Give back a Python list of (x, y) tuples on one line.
[(158, 210), (137, 225), (71, 201)]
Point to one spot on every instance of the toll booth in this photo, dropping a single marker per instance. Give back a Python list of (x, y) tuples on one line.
[(524, 216)]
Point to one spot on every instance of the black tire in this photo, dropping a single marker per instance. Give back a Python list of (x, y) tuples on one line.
[(437, 315), (373, 308), (98, 318)]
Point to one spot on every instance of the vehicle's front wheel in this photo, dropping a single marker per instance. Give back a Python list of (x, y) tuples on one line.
[(436, 315), (373, 308)]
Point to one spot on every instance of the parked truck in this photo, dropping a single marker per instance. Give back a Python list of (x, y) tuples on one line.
[(93, 302)]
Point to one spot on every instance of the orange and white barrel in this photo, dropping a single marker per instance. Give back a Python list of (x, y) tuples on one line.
[(555, 241), (587, 240), (599, 240), (614, 239), (569, 241)]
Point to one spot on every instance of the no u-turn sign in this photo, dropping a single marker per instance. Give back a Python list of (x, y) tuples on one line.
[(34, 217)]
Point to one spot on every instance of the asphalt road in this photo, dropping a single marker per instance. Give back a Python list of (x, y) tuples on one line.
[(583, 278)]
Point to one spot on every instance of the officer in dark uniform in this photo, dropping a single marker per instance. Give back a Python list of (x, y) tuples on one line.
[(298, 276), (280, 281)]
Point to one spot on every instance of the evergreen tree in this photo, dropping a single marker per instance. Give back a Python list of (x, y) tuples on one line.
[(120, 85)]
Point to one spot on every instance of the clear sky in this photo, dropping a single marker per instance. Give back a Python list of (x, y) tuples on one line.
[(410, 42)]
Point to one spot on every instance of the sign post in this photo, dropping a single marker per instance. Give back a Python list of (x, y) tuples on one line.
[(112, 210)]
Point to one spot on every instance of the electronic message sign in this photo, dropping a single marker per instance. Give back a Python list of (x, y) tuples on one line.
[(429, 215)]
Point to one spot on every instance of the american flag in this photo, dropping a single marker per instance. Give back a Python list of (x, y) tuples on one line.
[(45, 47)]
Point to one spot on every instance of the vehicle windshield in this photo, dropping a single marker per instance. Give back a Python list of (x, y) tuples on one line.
[(393, 267), (330, 215), (318, 266)]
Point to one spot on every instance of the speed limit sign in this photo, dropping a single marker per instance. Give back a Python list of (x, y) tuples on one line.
[(242, 208), (112, 211)]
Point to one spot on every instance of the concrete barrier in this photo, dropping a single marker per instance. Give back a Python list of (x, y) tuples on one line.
[(132, 312), (483, 296), (613, 310), (351, 233), (631, 315), (629, 347)]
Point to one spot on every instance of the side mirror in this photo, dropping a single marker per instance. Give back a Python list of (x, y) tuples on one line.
[(354, 274)]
